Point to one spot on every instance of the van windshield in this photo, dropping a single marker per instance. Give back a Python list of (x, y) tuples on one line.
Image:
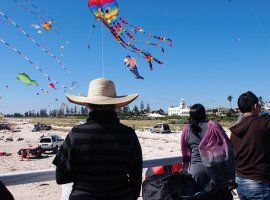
[(45, 140)]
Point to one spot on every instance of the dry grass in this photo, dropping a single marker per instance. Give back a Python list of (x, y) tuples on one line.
[(71, 121), (139, 124)]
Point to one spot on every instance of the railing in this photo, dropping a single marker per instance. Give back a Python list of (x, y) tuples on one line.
[(18, 178)]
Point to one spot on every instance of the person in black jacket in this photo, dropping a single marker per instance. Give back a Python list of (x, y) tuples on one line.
[(251, 139), (102, 157)]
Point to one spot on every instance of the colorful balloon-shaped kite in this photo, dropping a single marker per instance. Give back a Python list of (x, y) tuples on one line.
[(51, 85), (131, 63), (106, 11)]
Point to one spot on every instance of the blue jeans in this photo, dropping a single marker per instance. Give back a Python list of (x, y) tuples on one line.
[(250, 189)]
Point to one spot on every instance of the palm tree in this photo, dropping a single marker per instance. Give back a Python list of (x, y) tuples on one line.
[(230, 100)]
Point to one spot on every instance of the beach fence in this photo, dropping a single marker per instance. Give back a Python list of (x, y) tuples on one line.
[(17, 178)]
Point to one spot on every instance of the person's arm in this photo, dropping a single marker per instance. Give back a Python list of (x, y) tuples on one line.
[(63, 161), (135, 168)]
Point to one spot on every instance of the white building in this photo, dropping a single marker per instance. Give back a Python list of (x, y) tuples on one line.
[(182, 110)]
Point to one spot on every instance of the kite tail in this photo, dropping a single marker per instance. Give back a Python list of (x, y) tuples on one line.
[(149, 34), (43, 12), (115, 35), (125, 44), (155, 44), (28, 10), (32, 63), (151, 59), (32, 40), (120, 29)]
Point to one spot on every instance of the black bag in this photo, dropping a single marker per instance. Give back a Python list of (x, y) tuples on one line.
[(169, 186)]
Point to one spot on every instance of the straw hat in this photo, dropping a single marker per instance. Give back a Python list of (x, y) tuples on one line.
[(102, 92)]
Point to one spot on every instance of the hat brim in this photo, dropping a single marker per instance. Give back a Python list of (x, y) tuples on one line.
[(118, 101)]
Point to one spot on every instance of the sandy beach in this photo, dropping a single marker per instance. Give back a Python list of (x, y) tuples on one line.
[(153, 146)]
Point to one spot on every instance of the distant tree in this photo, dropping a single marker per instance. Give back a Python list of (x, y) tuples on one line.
[(61, 112), (148, 109), (230, 100), (136, 111), (53, 113), (86, 111), (82, 111), (141, 107), (126, 110), (71, 111), (161, 111), (79, 111), (67, 110), (18, 115), (75, 110), (26, 114), (41, 113)]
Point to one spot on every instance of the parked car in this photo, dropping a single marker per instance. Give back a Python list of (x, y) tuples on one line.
[(50, 143), (39, 127), (4, 126), (160, 128)]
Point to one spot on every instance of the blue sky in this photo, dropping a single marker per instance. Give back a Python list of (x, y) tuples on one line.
[(205, 65)]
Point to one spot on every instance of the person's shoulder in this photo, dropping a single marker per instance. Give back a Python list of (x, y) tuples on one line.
[(127, 128), (265, 119)]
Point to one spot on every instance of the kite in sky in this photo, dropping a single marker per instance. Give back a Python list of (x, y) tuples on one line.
[(25, 78), (37, 28), (43, 16), (63, 105), (132, 65), (74, 84), (47, 25), (51, 85), (32, 64), (47, 51), (106, 11)]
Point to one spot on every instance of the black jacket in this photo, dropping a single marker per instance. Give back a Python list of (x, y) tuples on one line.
[(103, 158), (251, 140)]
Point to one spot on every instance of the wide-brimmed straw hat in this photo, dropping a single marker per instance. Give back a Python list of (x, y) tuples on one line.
[(102, 92)]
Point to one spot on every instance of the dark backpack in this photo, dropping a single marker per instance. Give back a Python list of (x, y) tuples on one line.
[(175, 186)]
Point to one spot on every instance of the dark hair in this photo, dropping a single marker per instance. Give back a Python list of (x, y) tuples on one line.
[(246, 101), (197, 114)]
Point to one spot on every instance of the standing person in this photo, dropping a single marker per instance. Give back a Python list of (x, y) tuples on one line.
[(191, 139), (102, 157), (251, 139)]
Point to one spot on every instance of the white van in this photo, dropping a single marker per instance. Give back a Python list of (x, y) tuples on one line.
[(50, 143)]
